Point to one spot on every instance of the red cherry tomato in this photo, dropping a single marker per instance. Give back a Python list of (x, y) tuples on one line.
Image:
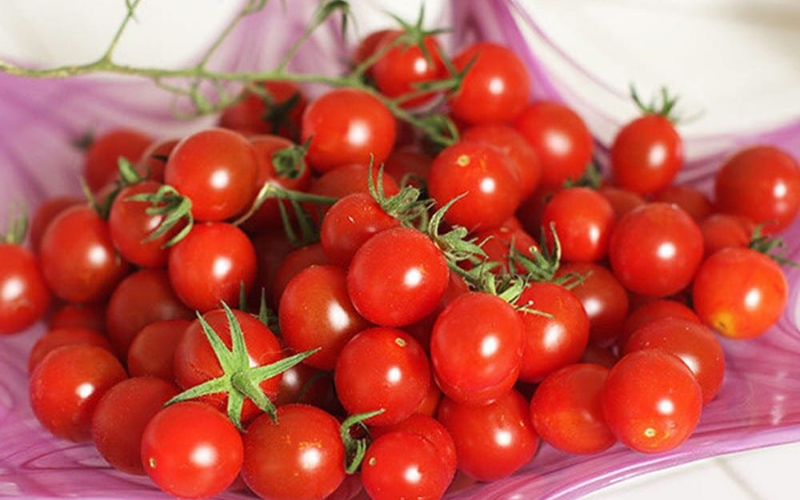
[(583, 220), (217, 170), (692, 342), (407, 165), (366, 47), (476, 348), (646, 154), (152, 350), (495, 88), (211, 264), (693, 201), (294, 262), (302, 384), (406, 65), (651, 401), (281, 116), (723, 231), (622, 200), (497, 244), (153, 161), (397, 277), (24, 295), (91, 316), (492, 441), (487, 181), (78, 259), (190, 450), (47, 211), (298, 457), (59, 337), (655, 310), (739, 292), (67, 384), (559, 138), (315, 312), (656, 249), (347, 126), (121, 416), (761, 183), (399, 375), (101, 164), (567, 411)]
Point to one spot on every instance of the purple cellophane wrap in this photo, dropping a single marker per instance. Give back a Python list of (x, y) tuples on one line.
[(758, 405)]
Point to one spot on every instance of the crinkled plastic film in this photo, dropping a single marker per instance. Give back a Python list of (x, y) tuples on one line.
[(758, 405)]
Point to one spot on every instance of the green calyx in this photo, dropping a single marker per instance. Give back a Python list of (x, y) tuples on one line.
[(356, 447), (175, 208), (661, 105), (239, 380), (772, 247)]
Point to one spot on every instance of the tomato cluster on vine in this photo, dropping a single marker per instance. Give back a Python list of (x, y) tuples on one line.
[(428, 300)]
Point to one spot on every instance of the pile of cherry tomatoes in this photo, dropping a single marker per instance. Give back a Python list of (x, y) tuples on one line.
[(313, 289)]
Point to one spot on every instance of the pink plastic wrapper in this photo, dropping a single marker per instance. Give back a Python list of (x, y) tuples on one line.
[(758, 405)]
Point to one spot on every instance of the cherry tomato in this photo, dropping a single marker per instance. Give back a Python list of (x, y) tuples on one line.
[(651, 401), (515, 147), (190, 450), (347, 126), (397, 277), (153, 161), (408, 165), (152, 350), (91, 316), (101, 163), (77, 257), (255, 115), (298, 457), (622, 200), (344, 180), (496, 87), (497, 244), (492, 441), (211, 264), (550, 343), (651, 311), (315, 312), (366, 47), (382, 368), (656, 249), (605, 301), (761, 183), (349, 223), (739, 292), (400, 465), (476, 348), (306, 385), (196, 363), (723, 231), (559, 138), (142, 298), (693, 201), (67, 384), (24, 295), (217, 170), (583, 220), (646, 154), (121, 415), (47, 211), (567, 411), (487, 181), (692, 342), (294, 262), (406, 65), (60, 337)]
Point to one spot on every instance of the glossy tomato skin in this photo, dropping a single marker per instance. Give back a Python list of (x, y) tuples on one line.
[(101, 163), (195, 361), (761, 183), (655, 310), (567, 412), (382, 368), (492, 441), (407, 165), (66, 386), (299, 457), (349, 223), (91, 316), (723, 231), (604, 299), (487, 181), (651, 401), (400, 465), (693, 201), (45, 213), (656, 249), (252, 115), (692, 342), (217, 170), (210, 264), (152, 350), (476, 348), (24, 295), (142, 298), (496, 87), (497, 244), (60, 337), (190, 450), (347, 126), (121, 415), (621, 200), (739, 292), (316, 312), (294, 262), (77, 257), (515, 147), (560, 139), (397, 277), (154, 159), (406, 65), (344, 180), (583, 220), (550, 343), (646, 154)]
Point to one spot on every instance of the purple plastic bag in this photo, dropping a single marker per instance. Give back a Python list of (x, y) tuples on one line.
[(758, 405)]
